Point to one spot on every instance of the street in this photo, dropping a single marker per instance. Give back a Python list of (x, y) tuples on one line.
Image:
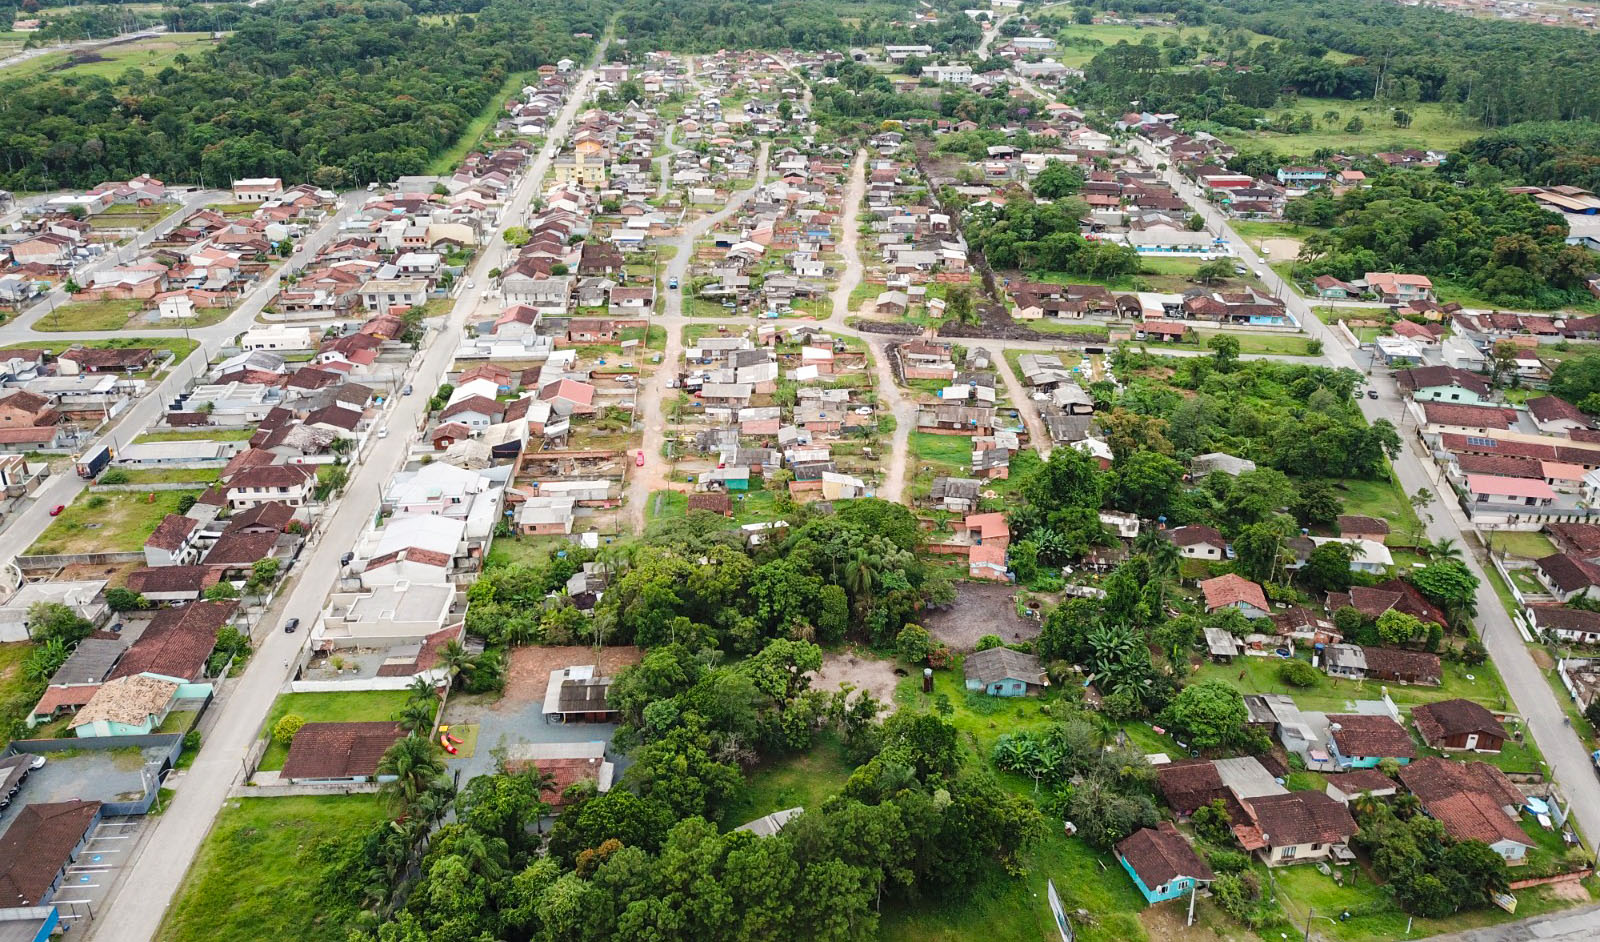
[(136, 909)]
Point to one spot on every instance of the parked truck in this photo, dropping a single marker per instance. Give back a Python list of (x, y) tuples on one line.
[(94, 462)]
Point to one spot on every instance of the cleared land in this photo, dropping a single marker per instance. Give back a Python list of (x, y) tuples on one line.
[(149, 55), (108, 523), (1432, 127)]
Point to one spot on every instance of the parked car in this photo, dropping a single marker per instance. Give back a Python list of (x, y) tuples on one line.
[(56, 510), (672, 283), (290, 625), (639, 459), (863, 410), (1372, 394), (383, 432), (406, 390)]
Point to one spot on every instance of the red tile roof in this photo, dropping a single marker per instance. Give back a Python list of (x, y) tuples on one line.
[(339, 750), (1362, 735), (1230, 589), (1160, 854), (1306, 817), (37, 845), (177, 641), (1446, 718)]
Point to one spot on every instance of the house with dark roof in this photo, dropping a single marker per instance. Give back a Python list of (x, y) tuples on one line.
[(1162, 864), (1356, 527), (1296, 827), (1459, 726), (1357, 782), (1576, 539), (1568, 577), (175, 542), (1362, 740), (1002, 672), (339, 753), (1359, 662), (1473, 800), (576, 695), (177, 642), (1198, 541), (37, 848), (1554, 415), (161, 584), (1568, 624)]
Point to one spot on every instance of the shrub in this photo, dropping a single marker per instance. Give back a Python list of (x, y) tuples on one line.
[(990, 641), (114, 476), (191, 740), (1223, 860), (286, 728), (1297, 673)]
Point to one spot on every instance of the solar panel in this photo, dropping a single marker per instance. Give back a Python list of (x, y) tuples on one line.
[(1482, 442)]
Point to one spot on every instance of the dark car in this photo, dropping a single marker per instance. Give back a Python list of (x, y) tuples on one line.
[(345, 559), (290, 625), (1372, 394)]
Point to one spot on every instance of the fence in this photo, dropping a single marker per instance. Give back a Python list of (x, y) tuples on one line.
[(172, 742), (1573, 877), (59, 560)]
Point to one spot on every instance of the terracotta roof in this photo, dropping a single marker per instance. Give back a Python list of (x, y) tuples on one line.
[(1582, 537), (1446, 718), (716, 503), (1473, 816), (1558, 618), (57, 697), (339, 750), (1197, 534), (1189, 783), (1569, 573), (169, 579), (427, 656), (481, 405), (241, 549), (1306, 817), (1160, 854), (276, 475), (1361, 735), (35, 848), (1434, 777), (171, 532), (1231, 588), (565, 773), (1458, 414), (177, 641), (271, 515), (1423, 377), (1357, 781), (1555, 409), (1400, 662), (1505, 466)]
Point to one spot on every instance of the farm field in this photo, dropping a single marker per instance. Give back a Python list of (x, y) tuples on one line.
[(149, 55)]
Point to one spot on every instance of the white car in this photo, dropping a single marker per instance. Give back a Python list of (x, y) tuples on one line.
[(864, 410), (383, 432)]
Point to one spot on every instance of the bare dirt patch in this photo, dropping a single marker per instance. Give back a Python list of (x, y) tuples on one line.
[(875, 676), (529, 673), (1281, 250), (980, 609)]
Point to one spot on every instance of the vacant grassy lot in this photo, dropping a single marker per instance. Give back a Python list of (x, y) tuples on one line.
[(329, 708), (198, 435), (256, 874), (1285, 345), (89, 315), (170, 475), (800, 781), (149, 55), (1432, 127), (1383, 499), (180, 347), (17, 693), (108, 523), (1526, 545)]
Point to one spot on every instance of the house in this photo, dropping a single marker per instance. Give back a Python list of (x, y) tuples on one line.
[(177, 642), (1395, 664), (1568, 577), (1198, 541), (42, 840), (291, 484), (74, 683), (175, 542), (1395, 288), (1473, 800), (1295, 827), (1162, 864), (257, 189), (1365, 555), (1002, 672), (1459, 726), (1444, 384), (1568, 624), (1235, 591), (339, 753), (576, 695), (1357, 782), (1362, 740), (1556, 416), (769, 825), (567, 764), (1362, 529), (132, 705)]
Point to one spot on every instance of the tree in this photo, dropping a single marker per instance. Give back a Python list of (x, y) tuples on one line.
[(125, 600), (1328, 567), (1448, 584), (413, 766), (913, 643), (1058, 179), (1397, 627), (49, 621), (1318, 504), (283, 731), (1145, 483), (1224, 351), (455, 659), (958, 303), (1402, 119), (1298, 673), (221, 592), (1196, 222), (1211, 713), (1218, 269), (1419, 505)]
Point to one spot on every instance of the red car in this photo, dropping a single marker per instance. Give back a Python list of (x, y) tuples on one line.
[(56, 510), (639, 459)]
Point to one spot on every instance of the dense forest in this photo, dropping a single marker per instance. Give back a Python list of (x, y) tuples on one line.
[(1497, 72), (1542, 153), (709, 25), (338, 94), (1503, 245)]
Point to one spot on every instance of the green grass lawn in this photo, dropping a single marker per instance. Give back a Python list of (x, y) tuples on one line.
[(180, 346), (198, 435), (89, 315), (256, 875), (666, 504), (524, 550), (116, 522), (328, 708), (1331, 694), (800, 781), (17, 693), (148, 55), (1531, 545), (1432, 127), (172, 475), (1252, 230), (1283, 345), (1384, 499)]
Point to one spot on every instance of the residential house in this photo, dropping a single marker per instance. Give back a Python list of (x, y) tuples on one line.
[(1198, 541), (290, 484), (1459, 725), (131, 705), (1393, 664), (1362, 740), (1473, 800), (1295, 827), (339, 753), (175, 542), (1162, 864), (1568, 577), (43, 839), (1002, 672), (1235, 591)]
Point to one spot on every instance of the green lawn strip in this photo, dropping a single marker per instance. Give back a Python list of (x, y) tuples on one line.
[(474, 132), (524, 550), (1331, 694), (180, 347), (328, 708), (798, 781), (1382, 498), (256, 876), (663, 504), (172, 475), (18, 694), (198, 435), (1432, 127), (1528, 545), (116, 522), (88, 315)]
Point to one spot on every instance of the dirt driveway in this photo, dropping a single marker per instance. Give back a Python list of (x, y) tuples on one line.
[(528, 676), (980, 609)]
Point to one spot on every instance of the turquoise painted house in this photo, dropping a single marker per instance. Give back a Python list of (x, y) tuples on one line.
[(1162, 864), (1444, 384), (127, 706), (1362, 740), (1002, 672)]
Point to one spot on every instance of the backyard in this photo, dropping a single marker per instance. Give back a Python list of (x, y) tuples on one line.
[(352, 707), (17, 693), (108, 522), (256, 876)]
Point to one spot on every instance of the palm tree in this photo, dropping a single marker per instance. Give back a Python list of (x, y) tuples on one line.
[(417, 716), (455, 659), (1445, 548), (860, 572), (412, 765), (422, 690), (486, 857)]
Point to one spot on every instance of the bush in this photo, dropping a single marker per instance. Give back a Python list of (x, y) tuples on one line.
[(913, 643), (1223, 860), (990, 641), (191, 740), (114, 476), (286, 728), (1297, 673)]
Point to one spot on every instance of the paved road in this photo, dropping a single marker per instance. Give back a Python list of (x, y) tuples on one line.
[(23, 528), (990, 33), (81, 45), (136, 910), (1575, 925), (1530, 693)]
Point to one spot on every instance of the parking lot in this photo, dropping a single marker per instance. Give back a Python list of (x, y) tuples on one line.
[(105, 775), (89, 878)]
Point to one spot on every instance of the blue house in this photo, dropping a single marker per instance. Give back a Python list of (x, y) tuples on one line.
[(1362, 740), (1002, 672), (1162, 863), (1302, 176)]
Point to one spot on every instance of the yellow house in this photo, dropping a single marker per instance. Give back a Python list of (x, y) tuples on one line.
[(577, 169)]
